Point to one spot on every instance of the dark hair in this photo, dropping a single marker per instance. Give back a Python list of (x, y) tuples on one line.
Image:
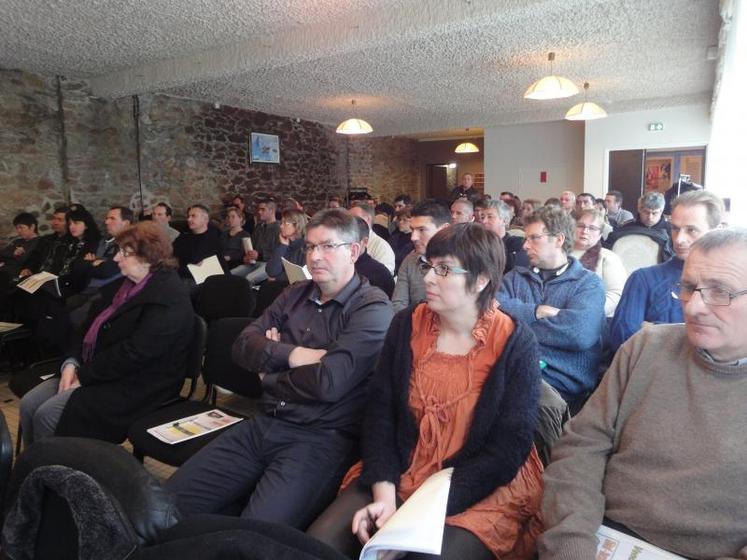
[(478, 250), (366, 207), (363, 229), (434, 209), (587, 195), (338, 219), (150, 243), (26, 219), (269, 202), (404, 198), (124, 213), (384, 208), (200, 207), (61, 210), (553, 202), (166, 207), (405, 213), (618, 196), (555, 221), (79, 214)]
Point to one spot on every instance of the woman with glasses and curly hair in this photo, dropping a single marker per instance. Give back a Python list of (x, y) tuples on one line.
[(457, 385)]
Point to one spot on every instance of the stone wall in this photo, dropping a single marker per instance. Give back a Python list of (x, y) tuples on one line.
[(58, 144)]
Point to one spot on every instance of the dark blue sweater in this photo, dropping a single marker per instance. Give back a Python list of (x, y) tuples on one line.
[(571, 342)]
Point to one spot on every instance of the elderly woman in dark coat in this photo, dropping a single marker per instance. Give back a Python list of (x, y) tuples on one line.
[(130, 359)]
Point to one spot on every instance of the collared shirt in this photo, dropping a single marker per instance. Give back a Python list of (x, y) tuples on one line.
[(351, 327)]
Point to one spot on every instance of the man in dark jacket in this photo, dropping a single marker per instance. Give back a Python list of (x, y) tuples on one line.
[(314, 347)]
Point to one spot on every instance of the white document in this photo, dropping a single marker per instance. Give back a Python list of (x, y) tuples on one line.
[(614, 545), (294, 272), (246, 242), (208, 267), (418, 525), (7, 327), (32, 283), (192, 426)]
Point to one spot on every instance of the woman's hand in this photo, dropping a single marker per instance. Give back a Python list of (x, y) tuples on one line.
[(284, 240), (371, 518), (69, 379)]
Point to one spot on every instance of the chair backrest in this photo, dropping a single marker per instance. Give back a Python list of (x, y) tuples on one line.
[(6, 458), (637, 251), (219, 368), (225, 296), (193, 360), (516, 232), (553, 414)]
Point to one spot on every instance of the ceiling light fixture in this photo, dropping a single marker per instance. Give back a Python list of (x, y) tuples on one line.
[(466, 147), (551, 87), (354, 125), (586, 111)]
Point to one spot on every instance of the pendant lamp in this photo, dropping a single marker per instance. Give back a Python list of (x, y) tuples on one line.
[(586, 111), (551, 87), (466, 147), (354, 125)]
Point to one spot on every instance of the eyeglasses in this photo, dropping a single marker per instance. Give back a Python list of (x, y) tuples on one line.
[(591, 228), (324, 248), (718, 297), (537, 236), (440, 269), (284, 223), (126, 252)]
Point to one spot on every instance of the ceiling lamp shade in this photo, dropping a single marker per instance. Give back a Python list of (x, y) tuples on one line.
[(466, 148), (551, 87), (586, 111), (354, 125)]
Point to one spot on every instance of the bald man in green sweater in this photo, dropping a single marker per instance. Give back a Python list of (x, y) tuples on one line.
[(659, 451)]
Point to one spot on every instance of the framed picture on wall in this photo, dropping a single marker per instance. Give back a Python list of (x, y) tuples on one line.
[(658, 174), (264, 148)]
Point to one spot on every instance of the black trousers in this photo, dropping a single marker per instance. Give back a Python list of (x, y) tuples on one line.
[(334, 528), (265, 469)]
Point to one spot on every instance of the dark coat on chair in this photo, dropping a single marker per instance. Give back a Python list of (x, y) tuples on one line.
[(137, 364)]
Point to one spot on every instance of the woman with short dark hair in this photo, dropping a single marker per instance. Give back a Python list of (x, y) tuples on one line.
[(131, 358), (457, 385)]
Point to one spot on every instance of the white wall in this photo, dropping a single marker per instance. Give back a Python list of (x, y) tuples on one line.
[(684, 127), (515, 155)]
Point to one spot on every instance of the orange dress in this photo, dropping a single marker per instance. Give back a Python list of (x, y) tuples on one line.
[(444, 390)]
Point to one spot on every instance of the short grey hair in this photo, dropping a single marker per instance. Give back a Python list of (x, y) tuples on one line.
[(503, 210), (718, 238), (338, 219), (714, 205), (651, 201), (466, 202)]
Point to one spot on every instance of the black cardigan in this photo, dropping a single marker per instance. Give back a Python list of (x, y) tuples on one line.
[(502, 431)]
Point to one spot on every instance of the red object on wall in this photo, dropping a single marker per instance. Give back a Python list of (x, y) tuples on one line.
[(543, 176)]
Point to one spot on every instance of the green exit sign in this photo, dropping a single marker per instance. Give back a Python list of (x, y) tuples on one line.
[(655, 126)]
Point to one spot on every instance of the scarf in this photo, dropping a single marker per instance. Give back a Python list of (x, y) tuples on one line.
[(590, 258), (126, 291)]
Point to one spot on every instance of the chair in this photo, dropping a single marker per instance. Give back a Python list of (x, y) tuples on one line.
[(6, 458), (224, 296), (637, 251), (219, 369)]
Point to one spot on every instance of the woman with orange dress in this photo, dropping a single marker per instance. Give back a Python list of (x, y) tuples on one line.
[(457, 385)]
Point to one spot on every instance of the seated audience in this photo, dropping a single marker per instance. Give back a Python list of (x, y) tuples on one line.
[(402, 202), (375, 272), (231, 237), (130, 359), (496, 217), (590, 253), (15, 254), (82, 245), (383, 218), (647, 297), (265, 240), (428, 217), (314, 349), (400, 237), (462, 211), (50, 251), (567, 201), (584, 201), (616, 214), (552, 202), (162, 215), (650, 223), (561, 301), (480, 204), (659, 449), (457, 385), (202, 240), (378, 248), (334, 202), (248, 218)]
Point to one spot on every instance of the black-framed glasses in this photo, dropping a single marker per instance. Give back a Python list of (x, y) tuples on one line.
[(537, 236), (325, 248), (718, 297), (440, 269), (592, 228), (126, 252)]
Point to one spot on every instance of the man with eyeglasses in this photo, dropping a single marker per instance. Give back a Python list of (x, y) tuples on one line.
[(314, 347), (647, 296), (428, 217), (561, 301), (659, 450)]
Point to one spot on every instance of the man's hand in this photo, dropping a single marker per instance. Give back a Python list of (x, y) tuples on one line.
[(273, 334), (24, 272), (69, 379), (89, 257), (250, 257), (18, 252), (301, 356), (546, 311)]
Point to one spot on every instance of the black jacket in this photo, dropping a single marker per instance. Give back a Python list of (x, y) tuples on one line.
[(502, 431), (137, 364)]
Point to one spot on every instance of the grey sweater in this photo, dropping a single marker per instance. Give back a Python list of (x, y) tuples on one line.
[(660, 447), (410, 287)]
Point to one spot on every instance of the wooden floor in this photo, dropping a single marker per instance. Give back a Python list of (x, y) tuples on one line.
[(9, 404)]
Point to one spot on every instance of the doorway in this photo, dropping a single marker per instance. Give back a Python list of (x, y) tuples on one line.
[(440, 179)]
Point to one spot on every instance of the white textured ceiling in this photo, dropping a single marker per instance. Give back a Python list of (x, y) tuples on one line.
[(413, 66)]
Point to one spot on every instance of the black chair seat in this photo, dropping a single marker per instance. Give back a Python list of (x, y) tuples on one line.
[(23, 381), (177, 454)]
